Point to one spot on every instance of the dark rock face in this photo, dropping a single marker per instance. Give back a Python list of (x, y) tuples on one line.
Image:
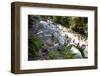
[(33, 23)]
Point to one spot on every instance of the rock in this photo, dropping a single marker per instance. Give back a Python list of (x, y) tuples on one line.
[(86, 51), (76, 52)]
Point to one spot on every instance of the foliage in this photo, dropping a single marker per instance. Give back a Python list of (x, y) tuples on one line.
[(80, 25), (65, 50), (52, 54), (34, 44)]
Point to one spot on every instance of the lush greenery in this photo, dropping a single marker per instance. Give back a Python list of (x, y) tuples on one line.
[(52, 54), (34, 43), (66, 51)]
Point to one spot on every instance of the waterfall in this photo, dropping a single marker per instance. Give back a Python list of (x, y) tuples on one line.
[(61, 34)]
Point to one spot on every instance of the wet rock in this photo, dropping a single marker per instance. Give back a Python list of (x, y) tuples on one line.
[(76, 52)]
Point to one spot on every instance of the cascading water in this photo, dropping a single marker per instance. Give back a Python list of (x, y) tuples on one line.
[(55, 35), (59, 32)]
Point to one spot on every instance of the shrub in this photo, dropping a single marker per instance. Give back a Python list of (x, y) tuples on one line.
[(65, 50), (52, 54), (34, 44)]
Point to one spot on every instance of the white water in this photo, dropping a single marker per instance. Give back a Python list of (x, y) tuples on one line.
[(60, 32)]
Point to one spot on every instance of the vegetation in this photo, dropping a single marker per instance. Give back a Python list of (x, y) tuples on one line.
[(52, 54), (77, 24), (65, 50), (34, 44)]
